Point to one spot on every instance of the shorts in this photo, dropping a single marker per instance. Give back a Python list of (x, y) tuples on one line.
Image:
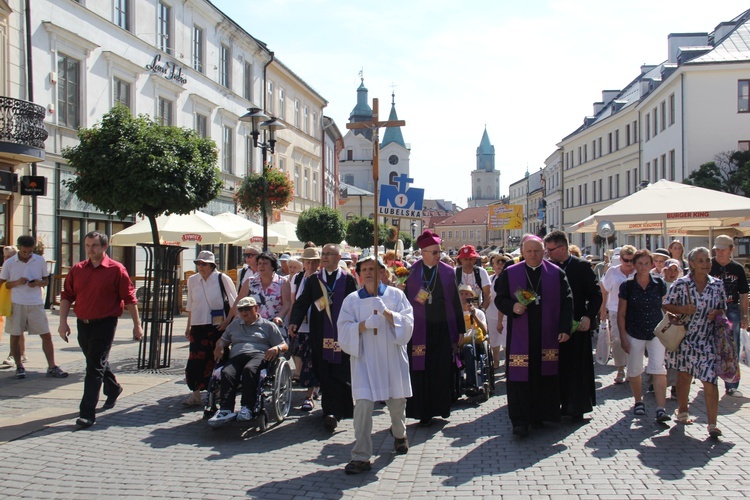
[(656, 354), (27, 318)]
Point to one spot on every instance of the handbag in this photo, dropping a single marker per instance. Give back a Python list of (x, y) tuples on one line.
[(745, 344), (728, 366), (671, 329), (227, 305), (5, 303), (602, 344)]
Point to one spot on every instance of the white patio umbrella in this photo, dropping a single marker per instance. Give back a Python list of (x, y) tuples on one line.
[(289, 230), (667, 205), (182, 230), (254, 231)]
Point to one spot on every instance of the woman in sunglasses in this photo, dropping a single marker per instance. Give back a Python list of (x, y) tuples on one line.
[(611, 282)]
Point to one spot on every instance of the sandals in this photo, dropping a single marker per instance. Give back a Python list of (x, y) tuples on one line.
[(661, 415), (714, 431), (682, 417), (620, 378), (307, 405), (639, 408)]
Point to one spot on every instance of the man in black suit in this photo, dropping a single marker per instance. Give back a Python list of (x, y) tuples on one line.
[(577, 387), (325, 291)]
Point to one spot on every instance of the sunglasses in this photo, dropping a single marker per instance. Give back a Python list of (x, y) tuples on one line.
[(246, 255), (626, 261)]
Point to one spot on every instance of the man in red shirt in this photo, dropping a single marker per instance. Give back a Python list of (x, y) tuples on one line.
[(99, 286)]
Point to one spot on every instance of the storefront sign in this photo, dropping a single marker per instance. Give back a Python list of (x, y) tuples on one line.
[(33, 185), (169, 70), (8, 180)]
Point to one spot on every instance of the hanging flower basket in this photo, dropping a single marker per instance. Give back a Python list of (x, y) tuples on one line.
[(274, 184)]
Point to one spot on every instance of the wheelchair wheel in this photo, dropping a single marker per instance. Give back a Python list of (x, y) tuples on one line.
[(490, 369), (281, 400)]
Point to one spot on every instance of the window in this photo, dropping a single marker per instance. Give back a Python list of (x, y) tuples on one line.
[(741, 146), (306, 119), (68, 91), (297, 175), (463, 234), (226, 149), (648, 126), (282, 163), (663, 107), (627, 135), (664, 166), (656, 122), (656, 170), (617, 140), (281, 111), (743, 96), (122, 14), (593, 191), (580, 156), (198, 49), (200, 124), (121, 92), (609, 182), (585, 194), (671, 109), (349, 154), (315, 186), (164, 28), (349, 179), (296, 113), (247, 88), (269, 97), (585, 153), (635, 132), (165, 112), (601, 194), (225, 66), (599, 146), (450, 234), (306, 185), (627, 181), (593, 149), (314, 128), (648, 171), (672, 166), (609, 142), (617, 185)]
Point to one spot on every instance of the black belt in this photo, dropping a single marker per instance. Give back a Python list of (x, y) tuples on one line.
[(92, 321)]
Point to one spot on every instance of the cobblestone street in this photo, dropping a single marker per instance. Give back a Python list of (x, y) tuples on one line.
[(149, 445)]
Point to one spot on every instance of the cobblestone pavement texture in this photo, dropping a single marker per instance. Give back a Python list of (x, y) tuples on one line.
[(149, 445)]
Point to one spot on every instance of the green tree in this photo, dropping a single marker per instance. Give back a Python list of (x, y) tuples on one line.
[(127, 165), (742, 160), (359, 232), (729, 172), (321, 225)]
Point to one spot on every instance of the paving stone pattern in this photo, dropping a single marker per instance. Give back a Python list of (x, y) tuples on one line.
[(151, 446)]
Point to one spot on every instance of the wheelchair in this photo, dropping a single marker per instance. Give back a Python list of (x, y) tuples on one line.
[(484, 372), (273, 398)]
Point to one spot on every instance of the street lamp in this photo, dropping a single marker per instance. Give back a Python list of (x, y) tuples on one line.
[(413, 229), (261, 121)]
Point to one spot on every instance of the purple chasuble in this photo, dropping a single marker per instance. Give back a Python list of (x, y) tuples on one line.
[(331, 347), (549, 296), (419, 335)]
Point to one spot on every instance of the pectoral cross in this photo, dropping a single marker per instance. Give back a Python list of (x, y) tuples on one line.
[(374, 125)]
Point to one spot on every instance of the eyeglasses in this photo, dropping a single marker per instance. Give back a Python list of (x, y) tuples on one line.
[(550, 250), (431, 252), (329, 254), (626, 261), (246, 255)]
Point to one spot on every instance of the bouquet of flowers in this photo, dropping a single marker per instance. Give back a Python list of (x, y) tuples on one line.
[(526, 297), (402, 274)]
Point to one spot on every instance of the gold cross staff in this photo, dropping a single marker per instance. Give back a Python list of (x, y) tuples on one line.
[(375, 125)]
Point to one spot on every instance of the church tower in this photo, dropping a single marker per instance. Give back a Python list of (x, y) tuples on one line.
[(485, 180)]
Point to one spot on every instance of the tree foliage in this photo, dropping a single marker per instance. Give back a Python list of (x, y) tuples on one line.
[(359, 232), (729, 172), (127, 165), (321, 225)]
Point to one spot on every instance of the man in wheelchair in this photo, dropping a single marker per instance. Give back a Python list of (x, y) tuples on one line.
[(472, 342), (252, 340)]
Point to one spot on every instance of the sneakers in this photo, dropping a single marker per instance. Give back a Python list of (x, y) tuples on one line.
[(222, 417), (357, 466), (245, 415), (111, 399), (734, 393), (84, 422), (661, 415), (20, 372), (57, 372)]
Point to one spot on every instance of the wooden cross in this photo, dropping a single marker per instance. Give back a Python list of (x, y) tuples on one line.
[(375, 125)]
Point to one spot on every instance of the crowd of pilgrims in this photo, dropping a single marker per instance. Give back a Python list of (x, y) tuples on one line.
[(541, 312)]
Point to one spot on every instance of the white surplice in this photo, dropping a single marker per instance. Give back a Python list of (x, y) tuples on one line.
[(379, 363)]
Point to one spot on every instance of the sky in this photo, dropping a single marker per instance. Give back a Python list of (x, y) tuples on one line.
[(529, 71)]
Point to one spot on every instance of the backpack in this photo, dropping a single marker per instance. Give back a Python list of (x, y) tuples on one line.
[(477, 280)]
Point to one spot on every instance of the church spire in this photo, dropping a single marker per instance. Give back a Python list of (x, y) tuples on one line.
[(392, 134), (485, 153), (362, 112)]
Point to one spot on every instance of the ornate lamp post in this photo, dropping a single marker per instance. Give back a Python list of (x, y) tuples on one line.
[(260, 121)]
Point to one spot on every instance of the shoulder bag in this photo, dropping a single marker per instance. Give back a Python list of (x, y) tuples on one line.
[(672, 327)]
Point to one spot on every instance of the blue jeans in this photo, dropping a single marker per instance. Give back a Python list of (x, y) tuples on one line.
[(733, 314)]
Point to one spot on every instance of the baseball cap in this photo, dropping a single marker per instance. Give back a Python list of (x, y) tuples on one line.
[(246, 302), (723, 241)]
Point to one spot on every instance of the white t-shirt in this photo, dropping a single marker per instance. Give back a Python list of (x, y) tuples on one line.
[(468, 279), (35, 269), (611, 283)]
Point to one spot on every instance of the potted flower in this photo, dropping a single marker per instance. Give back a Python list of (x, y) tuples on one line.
[(272, 185)]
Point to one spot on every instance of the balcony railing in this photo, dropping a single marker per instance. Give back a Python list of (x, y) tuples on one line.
[(22, 122)]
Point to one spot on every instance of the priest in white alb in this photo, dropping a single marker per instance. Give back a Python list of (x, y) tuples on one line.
[(375, 325)]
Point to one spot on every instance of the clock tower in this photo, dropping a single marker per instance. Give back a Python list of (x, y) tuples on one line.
[(485, 180)]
